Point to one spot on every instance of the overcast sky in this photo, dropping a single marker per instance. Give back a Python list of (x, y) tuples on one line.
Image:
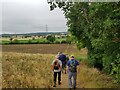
[(24, 16)]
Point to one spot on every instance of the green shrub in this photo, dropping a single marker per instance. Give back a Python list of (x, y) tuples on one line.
[(63, 41), (57, 42), (50, 38)]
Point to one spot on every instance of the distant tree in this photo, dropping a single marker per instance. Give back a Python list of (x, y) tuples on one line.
[(64, 41), (29, 41), (15, 41), (25, 36), (33, 38), (50, 38), (11, 39)]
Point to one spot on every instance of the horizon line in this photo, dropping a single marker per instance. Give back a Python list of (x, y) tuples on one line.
[(37, 32)]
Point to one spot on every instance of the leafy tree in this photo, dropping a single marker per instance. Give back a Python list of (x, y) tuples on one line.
[(11, 39), (95, 26), (50, 38), (33, 38), (15, 41)]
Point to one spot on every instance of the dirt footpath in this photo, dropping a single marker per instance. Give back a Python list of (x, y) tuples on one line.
[(64, 82)]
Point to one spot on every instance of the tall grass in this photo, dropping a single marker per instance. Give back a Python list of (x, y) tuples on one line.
[(26, 70), (92, 78)]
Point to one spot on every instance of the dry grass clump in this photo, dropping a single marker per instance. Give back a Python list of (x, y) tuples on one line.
[(22, 70), (92, 78)]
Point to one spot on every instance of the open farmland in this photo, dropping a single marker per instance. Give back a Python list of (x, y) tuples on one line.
[(25, 67)]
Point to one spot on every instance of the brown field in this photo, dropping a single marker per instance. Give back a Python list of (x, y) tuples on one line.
[(43, 48), (37, 48)]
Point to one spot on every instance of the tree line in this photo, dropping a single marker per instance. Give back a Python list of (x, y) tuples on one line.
[(49, 39)]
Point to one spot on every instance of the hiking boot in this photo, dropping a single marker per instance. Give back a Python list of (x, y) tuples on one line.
[(74, 87), (59, 83), (54, 85)]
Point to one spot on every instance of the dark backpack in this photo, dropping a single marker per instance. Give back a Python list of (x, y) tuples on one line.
[(72, 66), (62, 57), (56, 66)]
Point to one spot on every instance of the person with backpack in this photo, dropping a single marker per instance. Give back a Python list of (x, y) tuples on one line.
[(56, 68), (72, 71), (62, 58), (67, 59)]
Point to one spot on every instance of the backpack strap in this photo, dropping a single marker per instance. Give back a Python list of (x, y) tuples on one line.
[(72, 61)]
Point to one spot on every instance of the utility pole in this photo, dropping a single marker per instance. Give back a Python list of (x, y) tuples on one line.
[(46, 28)]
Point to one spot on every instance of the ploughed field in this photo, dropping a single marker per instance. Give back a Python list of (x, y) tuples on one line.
[(39, 48)]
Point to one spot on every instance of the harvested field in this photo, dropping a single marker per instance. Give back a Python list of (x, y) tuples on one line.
[(43, 48)]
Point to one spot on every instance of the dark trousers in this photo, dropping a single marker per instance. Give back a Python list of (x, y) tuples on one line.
[(55, 76)]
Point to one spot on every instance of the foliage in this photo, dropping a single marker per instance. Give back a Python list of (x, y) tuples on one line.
[(35, 41), (11, 39), (33, 38), (69, 39), (50, 38), (95, 26), (15, 41), (29, 41), (63, 41), (57, 42)]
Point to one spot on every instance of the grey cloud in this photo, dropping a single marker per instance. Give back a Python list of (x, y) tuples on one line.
[(23, 18)]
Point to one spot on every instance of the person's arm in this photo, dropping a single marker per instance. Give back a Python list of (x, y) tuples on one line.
[(52, 66), (60, 64)]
